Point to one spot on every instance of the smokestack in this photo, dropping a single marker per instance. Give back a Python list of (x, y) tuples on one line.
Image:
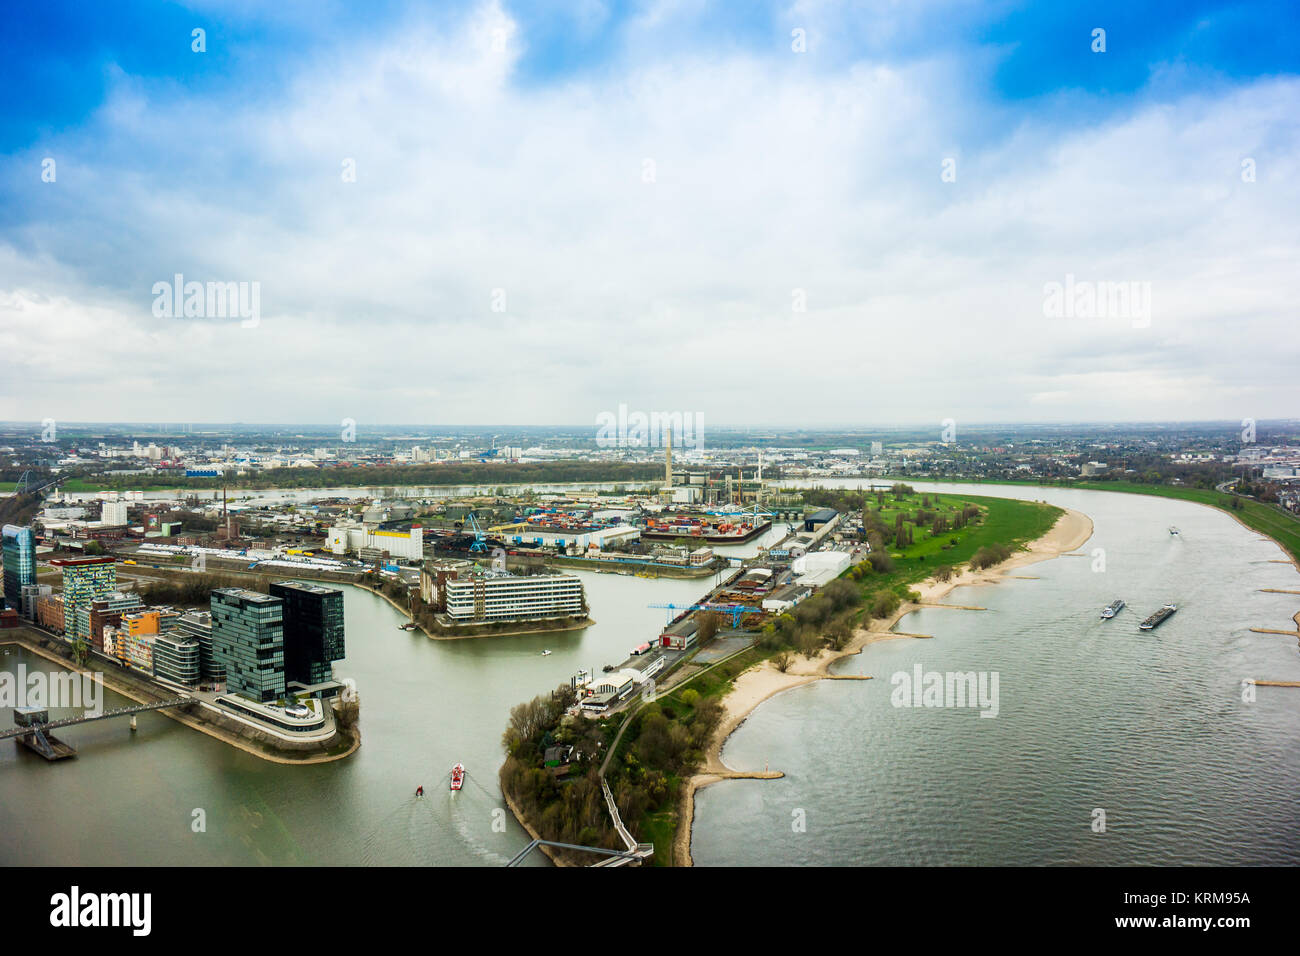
[(668, 460)]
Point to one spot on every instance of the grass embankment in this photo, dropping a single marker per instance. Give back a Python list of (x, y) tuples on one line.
[(913, 535), (1270, 520)]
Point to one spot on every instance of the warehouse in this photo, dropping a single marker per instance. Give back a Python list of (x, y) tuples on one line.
[(818, 518)]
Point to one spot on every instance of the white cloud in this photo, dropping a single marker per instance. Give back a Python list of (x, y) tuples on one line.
[(924, 297)]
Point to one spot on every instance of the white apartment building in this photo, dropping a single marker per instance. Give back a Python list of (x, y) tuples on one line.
[(500, 596), (113, 514)]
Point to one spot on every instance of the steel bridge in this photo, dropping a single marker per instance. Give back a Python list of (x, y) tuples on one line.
[(87, 718)]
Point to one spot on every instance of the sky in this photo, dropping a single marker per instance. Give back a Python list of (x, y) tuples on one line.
[(812, 213)]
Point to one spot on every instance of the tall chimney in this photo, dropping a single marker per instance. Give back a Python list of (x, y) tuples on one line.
[(668, 460)]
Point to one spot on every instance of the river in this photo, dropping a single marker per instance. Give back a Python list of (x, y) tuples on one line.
[(1149, 727), (130, 798)]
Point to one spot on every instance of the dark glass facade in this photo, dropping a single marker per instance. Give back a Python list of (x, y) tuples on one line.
[(248, 641), (313, 630)]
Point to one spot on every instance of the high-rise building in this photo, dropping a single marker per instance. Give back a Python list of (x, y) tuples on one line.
[(84, 580), (19, 554), (113, 514), (313, 630), (197, 626), (248, 641)]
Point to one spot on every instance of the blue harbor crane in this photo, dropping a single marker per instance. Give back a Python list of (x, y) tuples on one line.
[(480, 536), (737, 611)]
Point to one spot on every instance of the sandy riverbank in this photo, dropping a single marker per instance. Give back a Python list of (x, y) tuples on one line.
[(1071, 531)]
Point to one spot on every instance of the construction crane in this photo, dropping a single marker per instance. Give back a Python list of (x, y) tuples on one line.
[(480, 536), (737, 611)]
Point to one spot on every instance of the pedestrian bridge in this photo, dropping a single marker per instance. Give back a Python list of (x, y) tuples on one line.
[(22, 731)]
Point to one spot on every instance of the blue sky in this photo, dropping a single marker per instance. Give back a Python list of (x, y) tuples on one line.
[(504, 146)]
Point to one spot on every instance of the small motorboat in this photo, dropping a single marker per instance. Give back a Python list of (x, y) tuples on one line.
[(1173, 530), (546, 653), (458, 776)]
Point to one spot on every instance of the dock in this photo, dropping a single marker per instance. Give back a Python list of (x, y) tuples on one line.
[(47, 745)]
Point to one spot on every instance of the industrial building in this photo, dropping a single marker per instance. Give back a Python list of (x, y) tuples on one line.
[(367, 542), (819, 517), (584, 537), (819, 568)]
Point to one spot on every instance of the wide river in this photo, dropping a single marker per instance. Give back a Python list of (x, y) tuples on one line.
[(1149, 727)]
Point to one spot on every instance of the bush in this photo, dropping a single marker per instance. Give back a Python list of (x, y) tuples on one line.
[(990, 555), (885, 603)]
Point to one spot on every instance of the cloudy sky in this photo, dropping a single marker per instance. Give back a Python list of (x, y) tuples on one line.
[(815, 213)]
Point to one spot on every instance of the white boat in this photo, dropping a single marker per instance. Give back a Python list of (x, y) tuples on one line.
[(1173, 530), (545, 653)]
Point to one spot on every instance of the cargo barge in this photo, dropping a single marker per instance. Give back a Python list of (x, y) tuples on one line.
[(1159, 617), (710, 529)]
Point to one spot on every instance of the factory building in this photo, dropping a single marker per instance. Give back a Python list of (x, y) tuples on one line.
[(359, 539)]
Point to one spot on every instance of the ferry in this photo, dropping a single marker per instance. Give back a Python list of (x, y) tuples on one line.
[(458, 776), (1111, 609), (1158, 618)]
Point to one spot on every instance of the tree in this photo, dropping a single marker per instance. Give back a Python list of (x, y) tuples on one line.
[(782, 660), (708, 627)]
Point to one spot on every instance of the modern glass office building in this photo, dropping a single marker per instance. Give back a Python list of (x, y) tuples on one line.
[(176, 658), (19, 555), (313, 630), (197, 625), (248, 641)]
